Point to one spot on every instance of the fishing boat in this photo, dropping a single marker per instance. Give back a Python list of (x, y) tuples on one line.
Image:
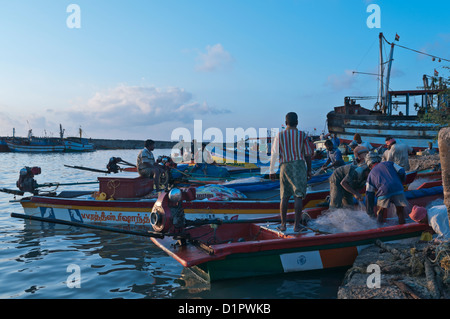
[(234, 249), (77, 144), (125, 199), (3, 145), (224, 249), (385, 119), (256, 249), (219, 249), (87, 206), (35, 144), (74, 144)]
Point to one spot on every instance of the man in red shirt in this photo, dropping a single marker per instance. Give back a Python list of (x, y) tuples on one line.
[(293, 153)]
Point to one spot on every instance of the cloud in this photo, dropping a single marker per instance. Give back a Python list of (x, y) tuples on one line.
[(342, 81), (121, 112), (215, 58), (137, 107), (40, 123)]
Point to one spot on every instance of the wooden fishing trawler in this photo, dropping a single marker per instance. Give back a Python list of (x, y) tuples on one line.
[(385, 119)]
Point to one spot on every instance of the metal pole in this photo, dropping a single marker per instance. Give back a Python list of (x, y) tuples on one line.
[(381, 93), (98, 227)]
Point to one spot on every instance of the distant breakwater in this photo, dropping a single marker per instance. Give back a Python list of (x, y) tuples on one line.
[(107, 144)]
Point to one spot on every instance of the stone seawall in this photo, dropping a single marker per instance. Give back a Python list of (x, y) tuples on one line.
[(106, 144)]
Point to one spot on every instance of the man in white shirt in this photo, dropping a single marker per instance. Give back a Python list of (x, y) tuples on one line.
[(397, 153), (436, 217), (146, 164)]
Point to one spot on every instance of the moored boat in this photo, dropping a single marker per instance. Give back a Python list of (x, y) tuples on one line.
[(385, 119), (127, 200), (84, 207), (3, 145), (231, 249), (236, 246), (242, 250), (78, 145), (38, 145), (33, 144)]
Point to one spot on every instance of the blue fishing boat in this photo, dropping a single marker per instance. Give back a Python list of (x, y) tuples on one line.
[(35, 144), (3, 145), (49, 144)]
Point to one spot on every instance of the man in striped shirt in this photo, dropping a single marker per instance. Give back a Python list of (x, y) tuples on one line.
[(292, 151)]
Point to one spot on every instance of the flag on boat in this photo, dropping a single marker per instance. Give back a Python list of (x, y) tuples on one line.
[(397, 37), (436, 73)]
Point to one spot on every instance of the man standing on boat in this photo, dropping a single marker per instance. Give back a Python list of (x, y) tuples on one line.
[(293, 153), (385, 182), (397, 153), (146, 164)]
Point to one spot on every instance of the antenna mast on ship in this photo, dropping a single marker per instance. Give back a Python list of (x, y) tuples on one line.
[(384, 86), (381, 89), (61, 132)]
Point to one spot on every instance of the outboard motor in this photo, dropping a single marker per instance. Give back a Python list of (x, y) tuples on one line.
[(167, 215), (166, 162), (26, 182)]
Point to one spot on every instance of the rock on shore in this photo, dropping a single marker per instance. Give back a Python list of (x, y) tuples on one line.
[(423, 162), (413, 270)]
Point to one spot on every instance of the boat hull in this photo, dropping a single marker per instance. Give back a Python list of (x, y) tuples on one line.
[(73, 146), (137, 212), (35, 148), (375, 128), (255, 250), (67, 146)]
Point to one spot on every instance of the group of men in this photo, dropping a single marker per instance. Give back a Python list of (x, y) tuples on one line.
[(382, 177)]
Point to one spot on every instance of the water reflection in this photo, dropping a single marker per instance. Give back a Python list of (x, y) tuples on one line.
[(34, 256)]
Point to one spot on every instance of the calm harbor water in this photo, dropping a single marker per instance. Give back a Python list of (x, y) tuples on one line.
[(37, 259)]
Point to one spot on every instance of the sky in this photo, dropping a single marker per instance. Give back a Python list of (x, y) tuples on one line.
[(145, 69)]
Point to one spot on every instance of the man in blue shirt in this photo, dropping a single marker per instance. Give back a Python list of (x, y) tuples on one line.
[(334, 156), (385, 181)]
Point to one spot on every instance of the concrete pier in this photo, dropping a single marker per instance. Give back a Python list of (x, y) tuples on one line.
[(105, 144)]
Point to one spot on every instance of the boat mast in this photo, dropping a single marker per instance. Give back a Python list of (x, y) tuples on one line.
[(388, 76), (381, 92), (61, 132)]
